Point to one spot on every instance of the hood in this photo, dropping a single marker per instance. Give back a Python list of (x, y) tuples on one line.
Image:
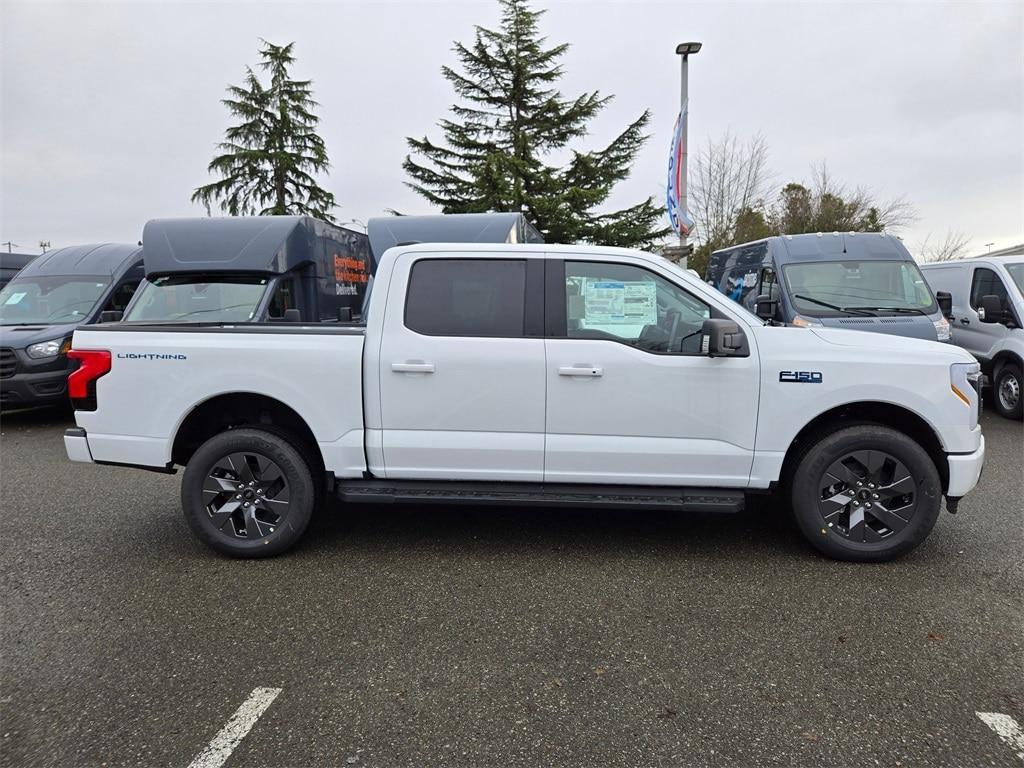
[(913, 326), (885, 342), (21, 336)]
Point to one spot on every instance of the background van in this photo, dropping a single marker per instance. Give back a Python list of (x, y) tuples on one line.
[(861, 281), (44, 303), (987, 311)]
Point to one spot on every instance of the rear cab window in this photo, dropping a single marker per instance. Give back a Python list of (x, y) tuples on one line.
[(467, 297)]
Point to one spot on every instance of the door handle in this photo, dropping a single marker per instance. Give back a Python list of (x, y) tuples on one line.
[(591, 371), (965, 321), (412, 367)]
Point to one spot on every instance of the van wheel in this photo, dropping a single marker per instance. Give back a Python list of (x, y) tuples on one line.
[(1007, 391), (866, 493), (247, 493)]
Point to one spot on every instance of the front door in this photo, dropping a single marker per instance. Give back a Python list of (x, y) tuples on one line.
[(977, 337), (631, 399), (462, 369)]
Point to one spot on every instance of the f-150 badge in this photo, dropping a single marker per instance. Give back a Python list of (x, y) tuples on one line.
[(800, 377)]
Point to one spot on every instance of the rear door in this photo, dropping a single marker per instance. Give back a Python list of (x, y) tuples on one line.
[(631, 399), (462, 391)]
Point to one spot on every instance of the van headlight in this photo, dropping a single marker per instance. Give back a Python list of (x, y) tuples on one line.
[(942, 329), (965, 381), (48, 348)]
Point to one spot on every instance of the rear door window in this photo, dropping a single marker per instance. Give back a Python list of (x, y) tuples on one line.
[(467, 297)]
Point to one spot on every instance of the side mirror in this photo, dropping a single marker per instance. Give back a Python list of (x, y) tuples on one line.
[(991, 309), (945, 302), (111, 316), (721, 338), (764, 306), (292, 316)]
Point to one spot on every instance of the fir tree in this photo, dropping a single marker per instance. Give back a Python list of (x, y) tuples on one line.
[(269, 157), (511, 119)]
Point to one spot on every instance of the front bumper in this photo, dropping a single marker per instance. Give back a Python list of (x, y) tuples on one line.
[(77, 444), (964, 471)]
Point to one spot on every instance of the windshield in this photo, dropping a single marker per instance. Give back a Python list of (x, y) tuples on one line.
[(228, 299), (831, 288), (1017, 273), (50, 299)]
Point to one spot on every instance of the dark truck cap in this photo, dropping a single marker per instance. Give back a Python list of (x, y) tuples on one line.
[(388, 231), (105, 259), (271, 245)]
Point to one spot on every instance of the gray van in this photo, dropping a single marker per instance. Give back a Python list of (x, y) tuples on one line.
[(41, 307), (865, 281)]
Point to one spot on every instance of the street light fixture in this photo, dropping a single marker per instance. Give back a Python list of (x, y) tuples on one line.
[(685, 49)]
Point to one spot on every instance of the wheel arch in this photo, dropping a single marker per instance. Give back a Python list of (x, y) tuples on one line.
[(1003, 357), (868, 412), (231, 410)]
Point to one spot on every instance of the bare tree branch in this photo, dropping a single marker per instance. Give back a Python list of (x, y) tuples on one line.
[(953, 246)]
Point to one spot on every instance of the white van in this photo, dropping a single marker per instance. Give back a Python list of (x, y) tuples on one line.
[(988, 306)]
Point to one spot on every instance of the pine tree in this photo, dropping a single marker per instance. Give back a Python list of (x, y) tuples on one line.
[(512, 117), (270, 156)]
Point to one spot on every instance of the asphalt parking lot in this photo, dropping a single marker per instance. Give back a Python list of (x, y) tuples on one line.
[(403, 636)]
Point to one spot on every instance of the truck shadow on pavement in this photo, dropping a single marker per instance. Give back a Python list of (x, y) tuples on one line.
[(765, 528)]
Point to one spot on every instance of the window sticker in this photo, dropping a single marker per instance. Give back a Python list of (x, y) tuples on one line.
[(14, 298), (610, 302)]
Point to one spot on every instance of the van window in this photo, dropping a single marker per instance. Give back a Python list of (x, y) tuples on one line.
[(121, 296), (986, 283), (192, 298), (467, 297), (631, 305), (283, 298), (873, 284), (50, 299)]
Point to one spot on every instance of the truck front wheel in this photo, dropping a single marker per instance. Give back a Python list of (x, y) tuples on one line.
[(247, 493), (865, 493)]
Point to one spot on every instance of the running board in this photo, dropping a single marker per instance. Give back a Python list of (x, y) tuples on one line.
[(549, 494)]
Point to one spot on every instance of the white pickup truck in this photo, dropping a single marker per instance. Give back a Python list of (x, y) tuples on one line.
[(557, 375)]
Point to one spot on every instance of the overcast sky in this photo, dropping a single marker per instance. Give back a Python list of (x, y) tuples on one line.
[(110, 111)]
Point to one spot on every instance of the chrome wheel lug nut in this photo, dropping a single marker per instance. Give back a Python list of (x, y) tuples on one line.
[(874, 495)]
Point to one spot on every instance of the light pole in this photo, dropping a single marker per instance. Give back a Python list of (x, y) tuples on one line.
[(685, 50)]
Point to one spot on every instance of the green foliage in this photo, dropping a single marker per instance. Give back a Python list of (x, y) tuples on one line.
[(510, 119), (269, 157)]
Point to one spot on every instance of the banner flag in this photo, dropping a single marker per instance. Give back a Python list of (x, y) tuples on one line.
[(678, 216)]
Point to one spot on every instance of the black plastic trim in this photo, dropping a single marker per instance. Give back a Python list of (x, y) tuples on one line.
[(547, 494)]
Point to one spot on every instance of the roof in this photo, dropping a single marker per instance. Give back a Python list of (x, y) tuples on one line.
[(269, 244), (1002, 253), (832, 246), (388, 231), (102, 259)]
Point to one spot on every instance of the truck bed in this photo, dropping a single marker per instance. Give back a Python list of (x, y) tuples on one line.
[(314, 369)]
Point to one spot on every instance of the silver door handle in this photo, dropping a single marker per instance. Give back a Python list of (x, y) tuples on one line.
[(581, 370), (412, 367)]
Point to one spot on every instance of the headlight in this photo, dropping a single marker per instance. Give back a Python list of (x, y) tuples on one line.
[(942, 329), (804, 322), (49, 348), (965, 381)]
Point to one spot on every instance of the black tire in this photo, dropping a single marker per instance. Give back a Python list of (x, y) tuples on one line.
[(1008, 391), (256, 506), (866, 494)]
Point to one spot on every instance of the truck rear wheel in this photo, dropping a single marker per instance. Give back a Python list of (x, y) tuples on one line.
[(247, 493), (866, 493)]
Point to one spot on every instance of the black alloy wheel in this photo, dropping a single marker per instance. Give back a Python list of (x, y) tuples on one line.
[(867, 495), (864, 492), (248, 493)]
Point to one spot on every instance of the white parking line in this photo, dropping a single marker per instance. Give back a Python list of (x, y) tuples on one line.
[(1006, 728), (224, 743)]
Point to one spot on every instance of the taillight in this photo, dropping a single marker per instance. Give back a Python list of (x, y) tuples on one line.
[(93, 363)]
